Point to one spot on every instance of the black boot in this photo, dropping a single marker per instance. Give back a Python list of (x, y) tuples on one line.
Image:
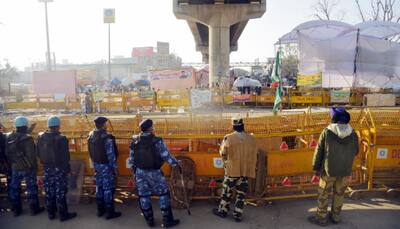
[(148, 216), (35, 208), (51, 211), (17, 209), (101, 209), (168, 218), (219, 213), (111, 213), (64, 214)]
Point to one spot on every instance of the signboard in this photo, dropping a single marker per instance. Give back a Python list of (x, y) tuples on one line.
[(146, 94), (54, 82), (143, 52), (218, 163), (200, 98), (382, 153), (341, 96), (309, 80), (241, 98), (306, 99), (109, 15), (86, 76), (176, 79)]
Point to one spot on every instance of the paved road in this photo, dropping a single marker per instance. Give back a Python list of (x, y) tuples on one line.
[(370, 213)]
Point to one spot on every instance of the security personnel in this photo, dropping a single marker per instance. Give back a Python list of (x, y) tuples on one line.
[(53, 151), (147, 154), (4, 165), (239, 153), (103, 153), (21, 154), (333, 160)]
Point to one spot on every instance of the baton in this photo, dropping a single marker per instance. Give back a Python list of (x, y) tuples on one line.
[(185, 194)]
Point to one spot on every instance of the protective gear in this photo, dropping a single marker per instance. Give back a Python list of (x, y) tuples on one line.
[(20, 151), (21, 121), (4, 166), (105, 172), (64, 214), (168, 218), (146, 124), (110, 211), (146, 156), (101, 208), (96, 142), (148, 216), (152, 181), (53, 150), (53, 121), (100, 120), (36, 209)]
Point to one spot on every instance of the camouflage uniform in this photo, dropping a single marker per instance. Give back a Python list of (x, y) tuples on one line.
[(105, 176), (239, 153), (20, 151), (31, 187), (241, 186), (326, 183), (4, 165), (152, 182), (333, 159), (53, 151), (56, 188)]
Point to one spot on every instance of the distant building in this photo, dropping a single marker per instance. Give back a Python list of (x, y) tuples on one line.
[(142, 60)]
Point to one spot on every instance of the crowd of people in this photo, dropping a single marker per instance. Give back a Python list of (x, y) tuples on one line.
[(332, 163)]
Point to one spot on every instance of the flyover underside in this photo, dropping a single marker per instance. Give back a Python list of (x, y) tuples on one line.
[(216, 26)]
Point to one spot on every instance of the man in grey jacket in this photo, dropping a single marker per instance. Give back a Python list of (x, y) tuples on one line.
[(333, 160)]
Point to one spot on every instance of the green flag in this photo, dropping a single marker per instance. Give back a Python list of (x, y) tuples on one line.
[(276, 78)]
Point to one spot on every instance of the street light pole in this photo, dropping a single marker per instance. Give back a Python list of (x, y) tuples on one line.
[(48, 57), (109, 17), (109, 51)]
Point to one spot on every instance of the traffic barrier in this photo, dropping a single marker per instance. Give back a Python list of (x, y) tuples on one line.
[(198, 137)]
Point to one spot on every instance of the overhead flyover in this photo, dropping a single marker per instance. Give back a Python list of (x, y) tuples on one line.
[(216, 26)]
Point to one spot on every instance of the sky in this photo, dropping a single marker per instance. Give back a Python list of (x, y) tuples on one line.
[(77, 32)]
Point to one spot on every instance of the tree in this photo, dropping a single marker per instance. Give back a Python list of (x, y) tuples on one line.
[(7, 73), (324, 9), (380, 10), (290, 62)]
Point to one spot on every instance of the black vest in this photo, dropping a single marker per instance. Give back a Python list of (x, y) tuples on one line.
[(145, 153), (97, 146), (2, 147), (4, 167), (53, 150), (15, 152)]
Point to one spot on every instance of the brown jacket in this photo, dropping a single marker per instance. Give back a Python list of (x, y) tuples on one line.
[(239, 152)]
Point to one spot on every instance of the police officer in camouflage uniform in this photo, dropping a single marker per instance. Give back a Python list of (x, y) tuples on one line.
[(53, 151), (4, 165), (333, 160), (21, 154), (239, 154), (103, 153), (147, 154)]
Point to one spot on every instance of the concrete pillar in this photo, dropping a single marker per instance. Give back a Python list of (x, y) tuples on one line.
[(219, 18), (219, 49)]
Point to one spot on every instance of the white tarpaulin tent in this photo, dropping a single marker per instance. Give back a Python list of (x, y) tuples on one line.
[(242, 81), (349, 56), (317, 29)]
